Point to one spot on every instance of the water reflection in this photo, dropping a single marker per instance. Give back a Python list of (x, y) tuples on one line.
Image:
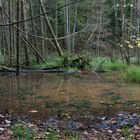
[(61, 93)]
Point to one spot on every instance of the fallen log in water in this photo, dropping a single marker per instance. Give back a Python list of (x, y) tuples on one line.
[(49, 70)]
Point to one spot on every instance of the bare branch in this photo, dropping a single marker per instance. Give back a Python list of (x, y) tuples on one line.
[(37, 16)]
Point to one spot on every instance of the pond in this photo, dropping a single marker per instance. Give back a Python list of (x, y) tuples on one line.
[(41, 95)]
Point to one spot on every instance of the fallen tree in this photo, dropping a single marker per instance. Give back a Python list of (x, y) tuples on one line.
[(31, 70)]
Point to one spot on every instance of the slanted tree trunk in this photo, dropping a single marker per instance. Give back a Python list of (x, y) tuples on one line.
[(58, 48), (32, 47), (43, 42)]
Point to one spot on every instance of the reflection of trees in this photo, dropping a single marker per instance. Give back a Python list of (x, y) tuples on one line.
[(14, 91), (33, 91)]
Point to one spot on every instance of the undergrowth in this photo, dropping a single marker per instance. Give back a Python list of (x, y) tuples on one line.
[(132, 74), (129, 73), (108, 65), (22, 131)]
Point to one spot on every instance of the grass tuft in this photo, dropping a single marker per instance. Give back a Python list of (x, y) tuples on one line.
[(52, 61), (132, 74), (108, 65), (118, 66)]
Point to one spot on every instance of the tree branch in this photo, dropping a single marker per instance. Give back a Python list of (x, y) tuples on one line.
[(37, 16)]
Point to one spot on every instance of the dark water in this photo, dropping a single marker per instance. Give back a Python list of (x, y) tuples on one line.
[(72, 94)]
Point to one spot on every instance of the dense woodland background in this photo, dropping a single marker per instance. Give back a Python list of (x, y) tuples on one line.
[(31, 30)]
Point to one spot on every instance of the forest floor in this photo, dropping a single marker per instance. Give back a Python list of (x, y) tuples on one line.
[(122, 126)]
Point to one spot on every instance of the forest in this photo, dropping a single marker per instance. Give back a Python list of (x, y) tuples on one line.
[(69, 69)]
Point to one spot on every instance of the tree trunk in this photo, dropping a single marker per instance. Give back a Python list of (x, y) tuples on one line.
[(100, 26), (123, 30), (56, 19), (33, 28), (18, 41), (58, 48), (0, 3), (23, 15), (67, 27), (74, 28), (43, 42), (10, 33)]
